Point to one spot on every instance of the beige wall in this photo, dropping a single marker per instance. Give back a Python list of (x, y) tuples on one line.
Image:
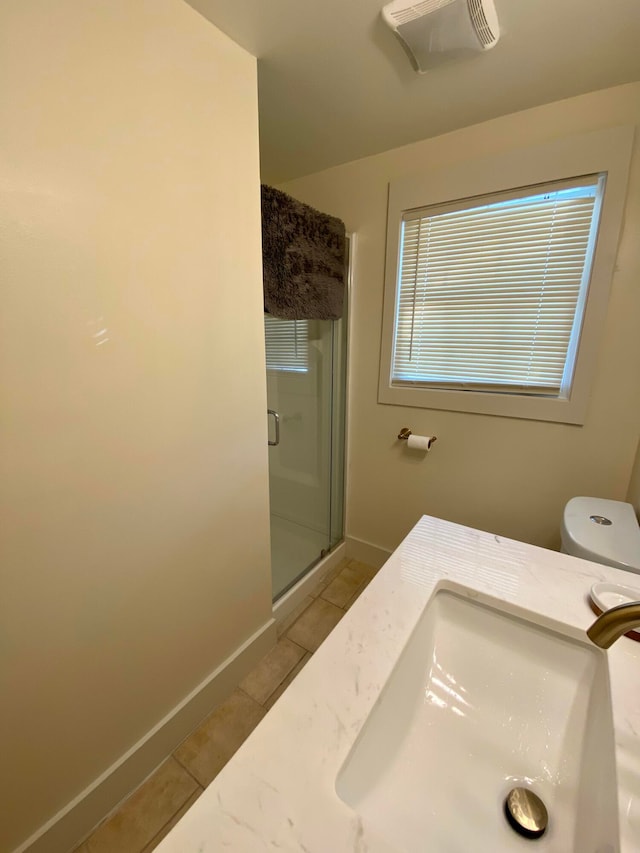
[(633, 495), (133, 385), (500, 474)]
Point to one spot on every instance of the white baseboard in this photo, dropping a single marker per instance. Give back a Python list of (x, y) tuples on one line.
[(292, 598), (366, 552), (79, 817)]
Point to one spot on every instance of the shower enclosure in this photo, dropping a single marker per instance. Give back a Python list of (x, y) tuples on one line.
[(306, 394)]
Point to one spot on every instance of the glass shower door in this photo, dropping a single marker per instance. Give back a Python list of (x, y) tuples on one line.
[(300, 391)]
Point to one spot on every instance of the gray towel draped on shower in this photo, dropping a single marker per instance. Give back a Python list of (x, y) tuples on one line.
[(303, 257)]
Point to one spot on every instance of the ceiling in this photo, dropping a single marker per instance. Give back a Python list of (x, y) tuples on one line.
[(334, 83)]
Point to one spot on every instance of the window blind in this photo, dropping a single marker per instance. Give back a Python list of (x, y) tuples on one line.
[(287, 344), (491, 291)]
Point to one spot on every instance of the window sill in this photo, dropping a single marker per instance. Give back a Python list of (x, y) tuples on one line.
[(554, 409)]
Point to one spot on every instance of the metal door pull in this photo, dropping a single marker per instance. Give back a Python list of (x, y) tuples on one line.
[(276, 417)]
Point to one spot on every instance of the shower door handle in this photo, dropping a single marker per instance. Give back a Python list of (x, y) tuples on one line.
[(276, 418)]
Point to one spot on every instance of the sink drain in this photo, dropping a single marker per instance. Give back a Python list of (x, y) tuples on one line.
[(526, 813)]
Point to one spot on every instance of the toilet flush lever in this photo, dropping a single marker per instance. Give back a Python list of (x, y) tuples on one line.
[(276, 418)]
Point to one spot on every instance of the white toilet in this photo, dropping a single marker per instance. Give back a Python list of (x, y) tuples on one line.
[(603, 531)]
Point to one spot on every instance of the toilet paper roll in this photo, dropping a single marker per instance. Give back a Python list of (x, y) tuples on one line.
[(420, 442)]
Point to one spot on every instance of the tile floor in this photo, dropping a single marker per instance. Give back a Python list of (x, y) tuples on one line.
[(144, 819)]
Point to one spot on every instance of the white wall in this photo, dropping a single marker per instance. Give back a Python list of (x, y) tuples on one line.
[(501, 474), (133, 385)]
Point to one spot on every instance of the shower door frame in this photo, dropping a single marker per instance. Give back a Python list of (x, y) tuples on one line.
[(340, 349)]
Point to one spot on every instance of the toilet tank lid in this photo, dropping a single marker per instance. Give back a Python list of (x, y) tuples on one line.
[(618, 541)]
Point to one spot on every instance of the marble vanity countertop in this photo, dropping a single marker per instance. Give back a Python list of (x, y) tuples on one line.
[(278, 792)]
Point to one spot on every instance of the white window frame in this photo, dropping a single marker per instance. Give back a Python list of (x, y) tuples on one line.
[(607, 151)]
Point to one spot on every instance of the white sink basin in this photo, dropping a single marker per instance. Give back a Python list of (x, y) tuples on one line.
[(480, 701)]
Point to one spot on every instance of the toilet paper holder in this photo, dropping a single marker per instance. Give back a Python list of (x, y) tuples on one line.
[(405, 432)]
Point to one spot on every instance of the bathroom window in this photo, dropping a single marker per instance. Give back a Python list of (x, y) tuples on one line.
[(488, 295), (287, 344), (491, 291)]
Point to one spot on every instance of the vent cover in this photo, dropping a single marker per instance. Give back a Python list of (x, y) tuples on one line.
[(417, 10), (435, 31), (480, 23)]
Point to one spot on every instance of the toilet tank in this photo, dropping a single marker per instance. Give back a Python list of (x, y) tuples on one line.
[(603, 531)]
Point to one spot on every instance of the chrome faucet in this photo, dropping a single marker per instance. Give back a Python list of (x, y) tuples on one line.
[(613, 623)]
